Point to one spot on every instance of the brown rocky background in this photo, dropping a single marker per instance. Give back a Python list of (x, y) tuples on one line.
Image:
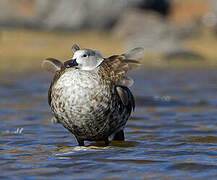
[(171, 31)]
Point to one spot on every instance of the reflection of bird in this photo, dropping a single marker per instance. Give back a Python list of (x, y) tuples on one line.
[(89, 94)]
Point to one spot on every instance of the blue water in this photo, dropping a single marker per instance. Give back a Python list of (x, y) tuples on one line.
[(171, 135)]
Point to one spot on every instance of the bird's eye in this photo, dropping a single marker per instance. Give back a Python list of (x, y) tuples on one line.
[(85, 55)]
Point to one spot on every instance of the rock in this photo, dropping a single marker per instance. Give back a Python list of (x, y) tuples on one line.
[(64, 14), (200, 11), (152, 31), (149, 30), (70, 14), (188, 11), (23, 13), (82, 14)]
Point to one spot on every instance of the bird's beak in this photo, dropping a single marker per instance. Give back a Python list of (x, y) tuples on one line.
[(70, 63)]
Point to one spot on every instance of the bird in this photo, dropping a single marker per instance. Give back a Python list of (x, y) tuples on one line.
[(89, 94)]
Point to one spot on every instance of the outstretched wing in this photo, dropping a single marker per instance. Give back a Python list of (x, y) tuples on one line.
[(117, 66)]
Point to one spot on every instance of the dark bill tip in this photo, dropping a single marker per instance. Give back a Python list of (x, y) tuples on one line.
[(70, 63)]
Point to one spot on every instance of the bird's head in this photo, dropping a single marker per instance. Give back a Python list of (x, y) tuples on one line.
[(84, 59)]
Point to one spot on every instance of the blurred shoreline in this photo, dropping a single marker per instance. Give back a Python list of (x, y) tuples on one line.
[(23, 50)]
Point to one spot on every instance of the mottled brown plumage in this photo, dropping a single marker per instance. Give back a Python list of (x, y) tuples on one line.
[(89, 94)]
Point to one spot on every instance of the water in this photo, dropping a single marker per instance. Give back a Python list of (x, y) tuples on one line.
[(172, 133)]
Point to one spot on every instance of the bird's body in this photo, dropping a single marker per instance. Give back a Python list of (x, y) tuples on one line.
[(92, 103), (84, 103)]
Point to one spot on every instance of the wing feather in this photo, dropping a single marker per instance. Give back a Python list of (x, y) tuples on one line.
[(52, 65), (136, 53), (126, 97), (117, 66)]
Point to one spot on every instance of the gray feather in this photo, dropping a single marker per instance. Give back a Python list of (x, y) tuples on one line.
[(136, 53), (52, 65)]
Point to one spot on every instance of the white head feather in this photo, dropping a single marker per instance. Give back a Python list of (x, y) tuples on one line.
[(88, 59)]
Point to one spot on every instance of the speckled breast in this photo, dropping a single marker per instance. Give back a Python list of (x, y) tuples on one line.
[(80, 97)]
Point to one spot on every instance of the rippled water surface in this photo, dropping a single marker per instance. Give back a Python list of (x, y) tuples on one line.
[(171, 135)]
